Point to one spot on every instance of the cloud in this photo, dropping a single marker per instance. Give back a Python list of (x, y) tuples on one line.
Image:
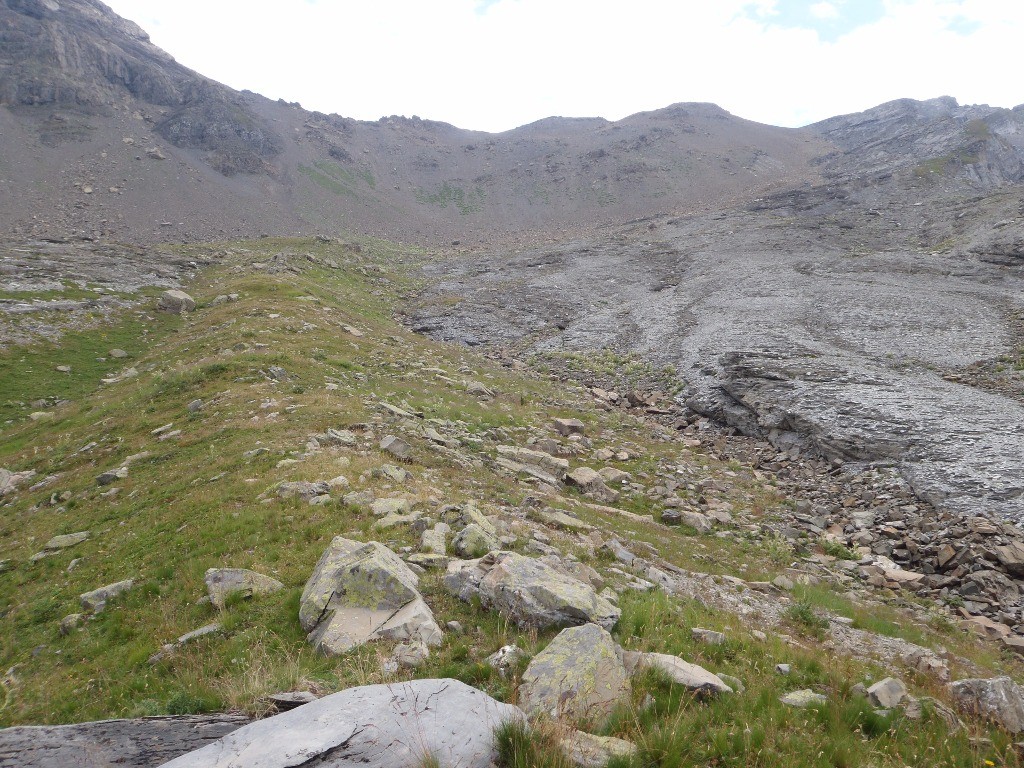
[(502, 63), (824, 11)]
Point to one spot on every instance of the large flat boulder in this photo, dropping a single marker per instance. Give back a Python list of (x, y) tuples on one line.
[(579, 676), (528, 591), (374, 726), (361, 592), (144, 742)]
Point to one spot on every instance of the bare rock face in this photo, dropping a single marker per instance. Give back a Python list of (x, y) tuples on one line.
[(374, 726), (579, 676), (78, 54), (998, 699), (141, 743), (362, 592), (529, 592)]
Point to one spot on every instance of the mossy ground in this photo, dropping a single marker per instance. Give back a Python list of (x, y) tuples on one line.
[(198, 501)]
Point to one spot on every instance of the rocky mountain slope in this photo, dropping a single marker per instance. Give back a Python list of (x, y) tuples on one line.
[(106, 135), (721, 469), (201, 492)]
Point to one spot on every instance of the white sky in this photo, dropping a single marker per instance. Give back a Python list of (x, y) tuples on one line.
[(496, 64)]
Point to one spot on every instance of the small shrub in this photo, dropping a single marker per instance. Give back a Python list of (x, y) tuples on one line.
[(803, 614), (838, 550)]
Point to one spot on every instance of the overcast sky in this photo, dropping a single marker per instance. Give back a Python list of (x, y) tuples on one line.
[(496, 64)]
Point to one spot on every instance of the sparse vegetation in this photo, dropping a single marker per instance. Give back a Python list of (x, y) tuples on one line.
[(451, 194), (194, 503)]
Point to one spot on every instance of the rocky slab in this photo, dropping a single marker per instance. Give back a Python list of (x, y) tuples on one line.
[(375, 726), (138, 743)]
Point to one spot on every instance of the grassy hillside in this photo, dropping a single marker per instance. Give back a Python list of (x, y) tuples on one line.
[(311, 344)]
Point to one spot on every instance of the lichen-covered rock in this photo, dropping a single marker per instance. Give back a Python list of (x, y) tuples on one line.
[(434, 540), (529, 592), (998, 699), (362, 592), (474, 541), (460, 516), (401, 725), (224, 582), (588, 751), (579, 676), (691, 676)]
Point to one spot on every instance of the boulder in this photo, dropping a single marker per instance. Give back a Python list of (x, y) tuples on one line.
[(433, 540), (566, 427), (458, 517), (556, 467), (529, 592), (362, 592), (579, 676), (96, 600), (385, 507), (1012, 557), (588, 751), (396, 447), (998, 699), (591, 484), (303, 489), (474, 541), (614, 475), (690, 676), (9, 481), (707, 636), (176, 302), (887, 693), (557, 518), (224, 582), (402, 725)]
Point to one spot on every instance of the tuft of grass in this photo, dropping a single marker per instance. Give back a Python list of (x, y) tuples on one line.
[(837, 549), (520, 746)]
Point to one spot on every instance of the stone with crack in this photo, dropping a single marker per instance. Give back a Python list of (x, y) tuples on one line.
[(400, 725), (363, 592)]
